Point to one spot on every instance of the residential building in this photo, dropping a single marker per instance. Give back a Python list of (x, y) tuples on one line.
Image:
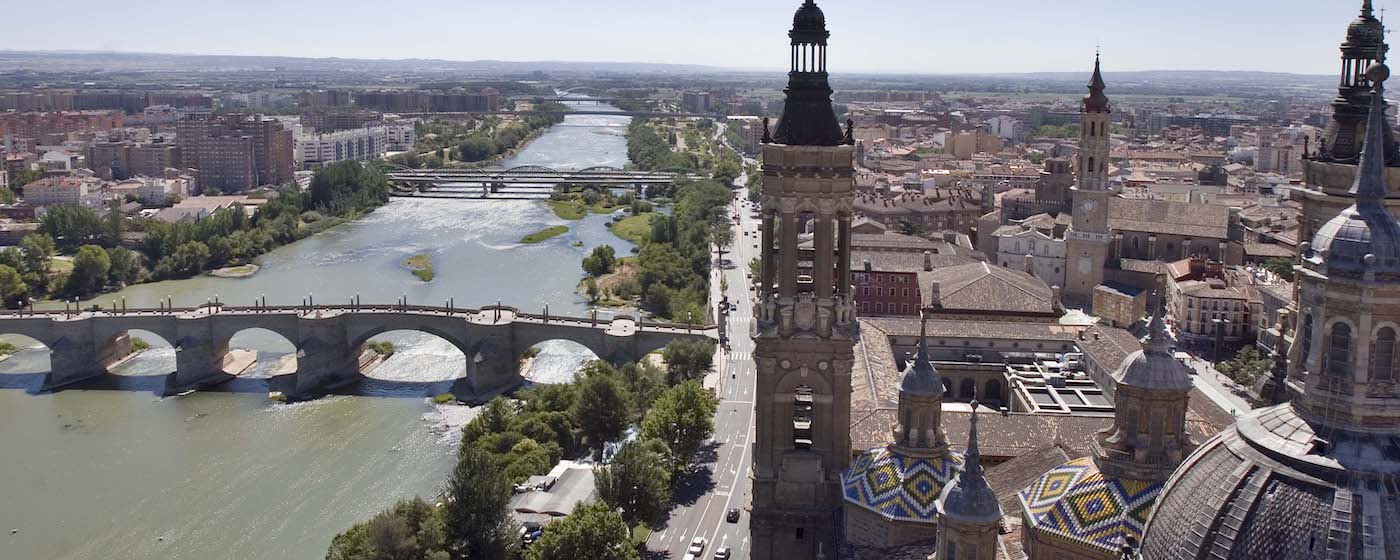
[(323, 120), (1207, 298), (1005, 127), (697, 101), (236, 152), (359, 144), (78, 190), (158, 191)]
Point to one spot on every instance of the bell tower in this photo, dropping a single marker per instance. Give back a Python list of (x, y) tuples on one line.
[(805, 313), (1087, 242)]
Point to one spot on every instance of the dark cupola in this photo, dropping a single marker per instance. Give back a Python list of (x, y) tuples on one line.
[(808, 118)]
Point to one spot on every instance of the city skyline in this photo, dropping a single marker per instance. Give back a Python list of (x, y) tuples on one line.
[(999, 38)]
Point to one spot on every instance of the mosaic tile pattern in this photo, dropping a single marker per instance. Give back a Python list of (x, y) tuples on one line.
[(899, 487), (1076, 501)]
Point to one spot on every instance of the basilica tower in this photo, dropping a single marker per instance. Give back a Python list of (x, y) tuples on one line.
[(1087, 242), (805, 313)]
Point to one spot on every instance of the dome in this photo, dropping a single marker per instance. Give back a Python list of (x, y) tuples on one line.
[(1285, 489), (1365, 31), (1153, 367), (921, 378), (1366, 236), (809, 24), (1077, 503), (899, 487)]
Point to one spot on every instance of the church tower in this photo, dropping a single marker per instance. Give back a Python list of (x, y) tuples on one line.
[(805, 313), (969, 513), (1087, 242)]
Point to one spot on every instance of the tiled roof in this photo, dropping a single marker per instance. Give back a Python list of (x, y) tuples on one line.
[(899, 487), (999, 437), (1077, 502), (1171, 218), (1007, 479), (982, 287)]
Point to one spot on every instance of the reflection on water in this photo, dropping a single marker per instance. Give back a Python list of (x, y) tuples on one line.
[(226, 474)]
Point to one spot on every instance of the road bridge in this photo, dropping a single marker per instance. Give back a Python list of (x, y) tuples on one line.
[(642, 114), (529, 181), (329, 340)]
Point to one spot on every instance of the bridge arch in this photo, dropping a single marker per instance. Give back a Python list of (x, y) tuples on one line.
[(555, 361), (598, 169), (27, 364), (117, 352), (258, 352), (584, 90), (540, 169)]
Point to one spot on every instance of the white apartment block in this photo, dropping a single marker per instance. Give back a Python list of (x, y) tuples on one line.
[(401, 136), (156, 191), (75, 190), (321, 149)]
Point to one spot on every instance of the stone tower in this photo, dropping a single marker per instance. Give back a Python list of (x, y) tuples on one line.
[(1148, 438), (1087, 242), (1329, 171), (805, 316), (968, 512)]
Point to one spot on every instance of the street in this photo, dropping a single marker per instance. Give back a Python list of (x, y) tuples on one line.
[(721, 482)]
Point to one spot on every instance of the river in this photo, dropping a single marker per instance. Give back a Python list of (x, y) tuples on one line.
[(112, 471)]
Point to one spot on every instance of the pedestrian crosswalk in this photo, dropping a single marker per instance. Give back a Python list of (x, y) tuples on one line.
[(740, 356)]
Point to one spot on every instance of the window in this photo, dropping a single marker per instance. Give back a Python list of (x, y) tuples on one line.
[(799, 533), (802, 418), (1307, 338), (1383, 360), (904, 308), (906, 292), (1091, 165), (1339, 350)]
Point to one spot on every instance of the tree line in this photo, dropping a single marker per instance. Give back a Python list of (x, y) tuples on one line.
[(513, 439), (169, 250)]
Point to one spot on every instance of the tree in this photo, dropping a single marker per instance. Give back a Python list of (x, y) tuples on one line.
[(603, 408), (593, 531), (411, 530), (116, 224), (1246, 367), (600, 261), (13, 290), (683, 417), (90, 268), (71, 226), (38, 251), (476, 517), (644, 382), (907, 227), (591, 286), (688, 359), (126, 266), (637, 482), (1282, 266)]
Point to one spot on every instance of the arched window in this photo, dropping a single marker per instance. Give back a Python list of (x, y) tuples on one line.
[(1307, 338), (1339, 350), (992, 391), (947, 388), (803, 410), (1091, 165), (968, 390), (1383, 357)]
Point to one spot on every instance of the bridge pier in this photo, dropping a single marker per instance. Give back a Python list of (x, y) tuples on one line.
[(73, 358), (199, 356), (324, 356)]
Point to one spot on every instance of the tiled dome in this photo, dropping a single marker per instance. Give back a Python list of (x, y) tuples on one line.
[(1077, 503), (897, 486)]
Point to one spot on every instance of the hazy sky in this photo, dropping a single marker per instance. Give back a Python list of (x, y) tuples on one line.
[(917, 36)]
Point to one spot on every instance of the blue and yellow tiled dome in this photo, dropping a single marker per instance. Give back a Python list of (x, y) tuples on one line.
[(1077, 502), (899, 487)]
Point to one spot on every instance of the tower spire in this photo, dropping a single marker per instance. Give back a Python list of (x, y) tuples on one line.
[(1369, 187), (1366, 9), (970, 498), (1096, 101)]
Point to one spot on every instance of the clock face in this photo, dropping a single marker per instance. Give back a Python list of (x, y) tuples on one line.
[(1089, 206)]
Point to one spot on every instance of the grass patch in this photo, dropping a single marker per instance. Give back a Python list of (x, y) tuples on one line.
[(421, 265), (544, 234), (576, 210), (636, 229), (445, 398), (61, 265), (7, 349), (138, 345), (640, 534), (384, 348)]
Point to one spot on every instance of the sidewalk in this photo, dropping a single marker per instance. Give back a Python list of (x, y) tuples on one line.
[(1214, 385)]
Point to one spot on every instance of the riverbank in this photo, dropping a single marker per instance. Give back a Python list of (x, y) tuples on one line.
[(544, 235)]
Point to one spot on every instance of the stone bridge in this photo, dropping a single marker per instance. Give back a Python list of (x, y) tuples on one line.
[(329, 339)]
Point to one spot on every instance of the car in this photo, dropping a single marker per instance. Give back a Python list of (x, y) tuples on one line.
[(697, 546), (689, 557), (722, 553), (731, 516)]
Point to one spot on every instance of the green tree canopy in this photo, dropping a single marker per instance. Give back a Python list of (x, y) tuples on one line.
[(39, 249), (688, 359), (683, 417), (637, 482), (478, 523), (600, 261), (13, 290), (72, 226), (592, 532), (603, 408), (411, 530), (90, 268), (1246, 367)]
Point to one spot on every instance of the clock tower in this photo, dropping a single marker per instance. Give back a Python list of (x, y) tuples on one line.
[(1087, 241)]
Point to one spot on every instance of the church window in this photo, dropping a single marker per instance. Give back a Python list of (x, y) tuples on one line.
[(1382, 365), (1091, 165), (802, 417), (1339, 350)]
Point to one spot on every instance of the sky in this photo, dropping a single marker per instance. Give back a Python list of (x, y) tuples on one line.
[(884, 36)]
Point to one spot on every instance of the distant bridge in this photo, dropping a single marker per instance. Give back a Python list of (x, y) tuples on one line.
[(524, 180), (642, 114), (329, 340)]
